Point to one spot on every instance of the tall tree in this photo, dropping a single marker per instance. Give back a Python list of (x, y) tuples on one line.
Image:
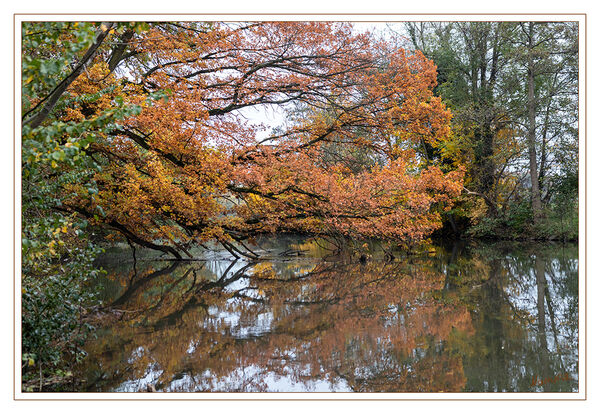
[(536, 202), (546, 53)]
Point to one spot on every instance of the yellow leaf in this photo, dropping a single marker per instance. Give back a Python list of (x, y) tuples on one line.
[(31, 362)]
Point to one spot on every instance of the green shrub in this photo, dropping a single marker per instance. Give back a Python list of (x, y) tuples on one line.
[(56, 293)]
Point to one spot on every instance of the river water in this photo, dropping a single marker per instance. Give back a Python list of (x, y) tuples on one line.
[(462, 317)]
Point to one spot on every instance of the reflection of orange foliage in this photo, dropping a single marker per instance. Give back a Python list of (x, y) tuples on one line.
[(374, 326)]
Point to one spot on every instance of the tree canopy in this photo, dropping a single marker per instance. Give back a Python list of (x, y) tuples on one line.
[(188, 167)]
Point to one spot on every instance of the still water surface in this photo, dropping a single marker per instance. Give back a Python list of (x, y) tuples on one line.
[(463, 317)]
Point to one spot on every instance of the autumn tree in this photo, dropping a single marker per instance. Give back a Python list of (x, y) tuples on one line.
[(190, 169)]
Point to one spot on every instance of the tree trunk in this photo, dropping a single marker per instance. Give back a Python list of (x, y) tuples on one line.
[(543, 156), (118, 52), (536, 203), (485, 161)]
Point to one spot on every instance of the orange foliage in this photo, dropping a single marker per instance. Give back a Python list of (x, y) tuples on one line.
[(191, 168)]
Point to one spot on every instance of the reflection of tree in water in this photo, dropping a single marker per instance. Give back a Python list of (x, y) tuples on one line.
[(525, 319), (409, 325)]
